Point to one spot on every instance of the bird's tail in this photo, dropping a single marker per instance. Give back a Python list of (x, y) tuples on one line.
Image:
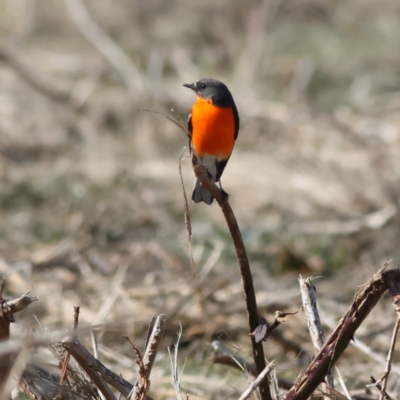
[(200, 194)]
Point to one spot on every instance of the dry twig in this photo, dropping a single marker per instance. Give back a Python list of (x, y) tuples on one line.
[(71, 344), (364, 301), (7, 310), (80, 352), (394, 288), (385, 376), (247, 280), (261, 376), (142, 383), (67, 358), (175, 375), (308, 294), (188, 223), (375, 383)]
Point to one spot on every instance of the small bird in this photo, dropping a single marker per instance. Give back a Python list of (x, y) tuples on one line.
[(213, 128)]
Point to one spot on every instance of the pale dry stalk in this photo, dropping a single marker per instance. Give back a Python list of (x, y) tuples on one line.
[(309, 296)]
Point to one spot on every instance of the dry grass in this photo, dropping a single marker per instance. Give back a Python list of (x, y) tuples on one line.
[(91, 206)]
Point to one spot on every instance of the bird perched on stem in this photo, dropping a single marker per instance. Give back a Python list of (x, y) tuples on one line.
[(213, 128)]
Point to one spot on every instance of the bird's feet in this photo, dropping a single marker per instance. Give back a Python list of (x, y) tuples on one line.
[(224, 195)]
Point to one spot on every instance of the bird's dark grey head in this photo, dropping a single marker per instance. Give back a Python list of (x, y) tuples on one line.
[(212, 89)]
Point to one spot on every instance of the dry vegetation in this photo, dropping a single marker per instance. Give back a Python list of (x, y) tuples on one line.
[(91, 205)]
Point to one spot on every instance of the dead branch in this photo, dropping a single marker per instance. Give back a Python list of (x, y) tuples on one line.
[(247, 393), (153, 343), (93, 338), (385, 376), (375, 383), (247, 279), (394, 289), (188, 222), (142, 383), (342, 384), (140, 388), (308, 294), (7, 310), (66, 360), (79, 351), (70, 344), (364, 301), (11, 307), (175, 375)]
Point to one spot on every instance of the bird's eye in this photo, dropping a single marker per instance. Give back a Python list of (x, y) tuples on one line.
[(202, 86)]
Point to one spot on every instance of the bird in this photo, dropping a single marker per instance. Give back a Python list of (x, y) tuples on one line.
[(213, 127)]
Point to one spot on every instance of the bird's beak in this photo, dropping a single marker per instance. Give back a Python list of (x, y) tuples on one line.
[(190, 86)]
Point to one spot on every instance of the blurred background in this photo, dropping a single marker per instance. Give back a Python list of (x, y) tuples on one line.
[(91, 202)]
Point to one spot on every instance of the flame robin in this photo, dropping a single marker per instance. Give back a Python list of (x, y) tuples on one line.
[(213, 128)]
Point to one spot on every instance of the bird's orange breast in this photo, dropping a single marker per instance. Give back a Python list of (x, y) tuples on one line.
[(213, 129)]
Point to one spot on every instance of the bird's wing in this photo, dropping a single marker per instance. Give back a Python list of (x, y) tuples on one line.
[(237, 121), (190, 129)]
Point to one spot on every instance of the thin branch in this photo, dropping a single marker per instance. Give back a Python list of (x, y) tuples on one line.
[(375, 383), (364, 301), (389, 359), (93, 338), (143, 382), (11, 307), (176, 376), (149, 355), (70, 345), (308, 294), (65, 364), (188, 223), (177, 121), (7, 310), (78, 351), (394, 288), (342, 384), (247, 279), (260, 378)]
